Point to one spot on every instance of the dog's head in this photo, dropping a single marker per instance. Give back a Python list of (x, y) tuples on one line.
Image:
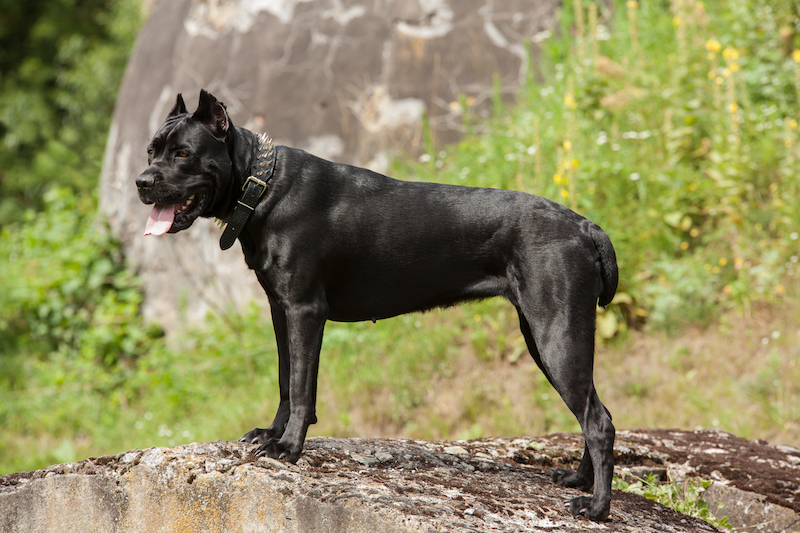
[(189, 165)]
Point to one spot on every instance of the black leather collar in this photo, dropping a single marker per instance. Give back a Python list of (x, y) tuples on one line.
[(253, 189)]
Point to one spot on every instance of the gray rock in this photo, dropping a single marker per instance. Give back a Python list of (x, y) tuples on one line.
[(455, 450), (345, 79), (748, 511), (221, 486)]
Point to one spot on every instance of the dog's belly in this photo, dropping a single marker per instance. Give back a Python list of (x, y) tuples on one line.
[(407, 278), (370, 301)]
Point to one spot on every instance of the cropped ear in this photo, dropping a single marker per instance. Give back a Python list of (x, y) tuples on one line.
[(179, 109), (212, 113)]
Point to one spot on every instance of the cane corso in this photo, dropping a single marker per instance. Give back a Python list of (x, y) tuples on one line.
[(329, 241)]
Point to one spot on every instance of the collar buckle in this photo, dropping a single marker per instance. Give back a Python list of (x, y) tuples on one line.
[(256, 181)]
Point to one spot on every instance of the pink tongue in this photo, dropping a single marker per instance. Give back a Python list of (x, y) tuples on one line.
[(160, 219)]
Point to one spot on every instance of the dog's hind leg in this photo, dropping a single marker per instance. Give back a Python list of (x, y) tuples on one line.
[(563, 347), (583, 478)]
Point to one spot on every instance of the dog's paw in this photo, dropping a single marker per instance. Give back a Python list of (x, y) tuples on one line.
[(572, 480), (589, 507), (260, 436), (277, 449)]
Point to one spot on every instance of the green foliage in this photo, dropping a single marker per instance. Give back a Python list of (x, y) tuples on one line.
[(685, 498), (70, 331), (71, 292), (61, 62)]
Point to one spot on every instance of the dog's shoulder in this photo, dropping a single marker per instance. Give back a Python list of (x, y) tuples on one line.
[(303, 165)]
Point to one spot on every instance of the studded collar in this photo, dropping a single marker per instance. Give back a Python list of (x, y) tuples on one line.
[(253, 189)]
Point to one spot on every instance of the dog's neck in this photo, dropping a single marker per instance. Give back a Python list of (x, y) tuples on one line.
[(243, 149), (259, 173)]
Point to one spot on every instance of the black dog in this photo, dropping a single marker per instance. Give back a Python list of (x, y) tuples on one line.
[(335, 242)]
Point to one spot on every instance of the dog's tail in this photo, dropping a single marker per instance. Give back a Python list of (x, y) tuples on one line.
[(608, 263)]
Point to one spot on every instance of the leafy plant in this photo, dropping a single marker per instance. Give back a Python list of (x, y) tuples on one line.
[(61, 62), (683, 497)]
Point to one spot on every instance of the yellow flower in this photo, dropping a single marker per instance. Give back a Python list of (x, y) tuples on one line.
[(734, 67), (730, 53), (564, 193), (632, 4), (723, 261), (719, 80), (684, 245), (676, 21), (733, 107), (557, 178), (792, 123), (695, 232), (711, 56), (796, 56), (567, 146), (779, 289), (574, 163), (728, 289), (713, 45), (569, 101), (726, 72)]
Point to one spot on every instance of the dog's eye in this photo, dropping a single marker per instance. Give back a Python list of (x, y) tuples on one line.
[(183, 154)]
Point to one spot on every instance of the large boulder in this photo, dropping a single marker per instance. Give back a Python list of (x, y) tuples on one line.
[(348, 80), (395, 485)]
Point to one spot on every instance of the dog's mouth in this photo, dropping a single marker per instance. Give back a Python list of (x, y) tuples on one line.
[(172, 218)]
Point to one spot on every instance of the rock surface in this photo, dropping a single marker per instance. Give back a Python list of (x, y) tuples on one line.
[(756, 485), (373, 485), (347, 80)]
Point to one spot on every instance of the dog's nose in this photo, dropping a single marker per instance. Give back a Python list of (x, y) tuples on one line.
[(144, 180)]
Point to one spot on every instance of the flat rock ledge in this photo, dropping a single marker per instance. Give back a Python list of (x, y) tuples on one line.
[(396, 485)]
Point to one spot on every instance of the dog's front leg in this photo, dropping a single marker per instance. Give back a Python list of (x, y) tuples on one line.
[(304, 325), (278, 426)]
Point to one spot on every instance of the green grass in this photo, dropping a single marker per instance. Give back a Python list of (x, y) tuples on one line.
[(636, 129)]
